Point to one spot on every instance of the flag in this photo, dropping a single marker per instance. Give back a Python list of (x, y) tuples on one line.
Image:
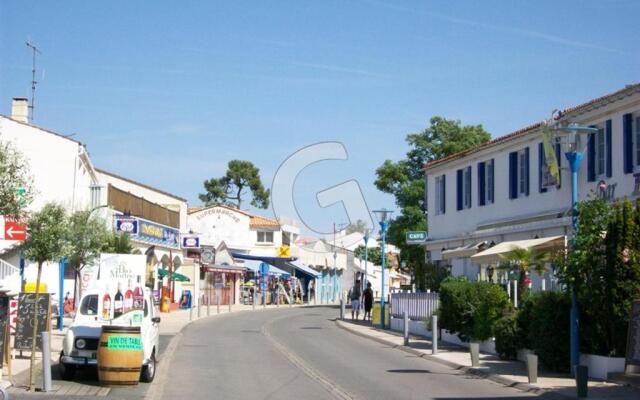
[(550, 156)]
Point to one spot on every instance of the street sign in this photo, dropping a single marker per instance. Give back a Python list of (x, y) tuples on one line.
[(416, 237), (190, 242), (12, 230), (127, 225)]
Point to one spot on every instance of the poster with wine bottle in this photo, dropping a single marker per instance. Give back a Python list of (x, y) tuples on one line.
[(119, 280)]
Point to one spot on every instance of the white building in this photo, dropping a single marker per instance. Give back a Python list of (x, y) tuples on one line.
[(496, 193), (62, 172)]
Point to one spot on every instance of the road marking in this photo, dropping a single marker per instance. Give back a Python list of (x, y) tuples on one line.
[(335, 390)]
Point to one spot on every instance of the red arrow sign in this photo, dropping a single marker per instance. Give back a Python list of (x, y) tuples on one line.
[(14, 231)]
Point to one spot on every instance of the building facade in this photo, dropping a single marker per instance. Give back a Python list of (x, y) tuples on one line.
[(501, 191)]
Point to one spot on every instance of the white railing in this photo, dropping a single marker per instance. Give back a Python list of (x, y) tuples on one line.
[(420, 306), (7, 269)]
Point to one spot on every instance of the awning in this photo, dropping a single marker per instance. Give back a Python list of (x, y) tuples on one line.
[(300, 267), (495, 253), (227, 269), (462, 251), (176, 276), (254, 265)]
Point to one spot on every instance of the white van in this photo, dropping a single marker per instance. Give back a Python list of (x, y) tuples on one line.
[(80, 345)]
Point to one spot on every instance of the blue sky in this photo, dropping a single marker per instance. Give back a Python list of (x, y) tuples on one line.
[(168, 94)]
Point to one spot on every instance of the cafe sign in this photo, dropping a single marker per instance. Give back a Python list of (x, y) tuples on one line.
[(149, 232)]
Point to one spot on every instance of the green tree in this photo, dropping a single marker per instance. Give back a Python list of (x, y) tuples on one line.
[(47, 241), (16, 191), (522, 261), (231, 188), (117, 243), (87, 237), (404, 179), (374, 255), (358, 226)]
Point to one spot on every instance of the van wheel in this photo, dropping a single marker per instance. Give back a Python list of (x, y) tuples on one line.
[(67, 371), (149, 370)]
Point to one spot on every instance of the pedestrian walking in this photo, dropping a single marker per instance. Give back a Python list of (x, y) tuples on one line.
[(355, 296), (368, 302)]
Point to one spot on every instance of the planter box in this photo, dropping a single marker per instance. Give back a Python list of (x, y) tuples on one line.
[(600, 366)]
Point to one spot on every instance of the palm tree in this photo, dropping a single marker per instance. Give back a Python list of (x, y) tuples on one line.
[(522, 260)]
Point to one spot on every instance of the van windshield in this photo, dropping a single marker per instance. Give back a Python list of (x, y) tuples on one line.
[(89, 305)]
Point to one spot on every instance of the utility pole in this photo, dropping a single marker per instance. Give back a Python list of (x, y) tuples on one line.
[(32, 103)]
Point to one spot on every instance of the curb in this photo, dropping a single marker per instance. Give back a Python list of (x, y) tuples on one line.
[(524, 387)]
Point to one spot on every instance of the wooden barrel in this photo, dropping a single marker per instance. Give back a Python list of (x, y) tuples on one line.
[(119, 355)]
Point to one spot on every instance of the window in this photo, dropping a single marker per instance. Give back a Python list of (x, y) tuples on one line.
[(463, 184), (522, 172), (485, 182), (265, 237), (489, 182), (440, 194), (636, 139), (89, 305), (600, 149)]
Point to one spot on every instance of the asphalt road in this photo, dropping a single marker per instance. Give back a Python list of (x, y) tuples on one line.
[(300, 353)]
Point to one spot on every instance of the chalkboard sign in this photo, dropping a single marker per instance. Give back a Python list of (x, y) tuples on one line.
[(24, 323), (633, 337)]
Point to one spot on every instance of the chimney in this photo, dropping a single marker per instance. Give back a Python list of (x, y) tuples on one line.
[(20, 109)]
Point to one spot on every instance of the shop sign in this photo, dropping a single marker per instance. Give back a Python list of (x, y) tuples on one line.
[(190, 242), (158, 233), (127, 225), (416, 237)]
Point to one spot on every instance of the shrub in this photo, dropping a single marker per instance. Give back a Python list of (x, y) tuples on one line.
[(547, 328), (507, 336), (471, 309)]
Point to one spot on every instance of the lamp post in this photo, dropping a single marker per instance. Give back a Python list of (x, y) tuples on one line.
[(570, 137), (383, 217)]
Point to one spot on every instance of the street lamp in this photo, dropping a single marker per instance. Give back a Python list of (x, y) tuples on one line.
[(383, 216), (366, 257), (573, 138)]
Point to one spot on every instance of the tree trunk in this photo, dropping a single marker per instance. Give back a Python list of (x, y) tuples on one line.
[(35, 329)]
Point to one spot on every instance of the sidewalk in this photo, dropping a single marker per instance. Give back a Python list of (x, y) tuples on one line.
[(86, 384), (508, 373)]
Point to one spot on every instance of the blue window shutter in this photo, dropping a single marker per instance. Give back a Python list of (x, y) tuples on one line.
[(513, 175), (627, 142), (609, 161), (481, 184), (559, 158), (470, 185), (591, 158), (493, 181), (541, 163), (459, 188), (444, 194), (526, 171)]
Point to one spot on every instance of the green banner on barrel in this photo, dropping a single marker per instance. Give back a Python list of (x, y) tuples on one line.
[(132, 343)]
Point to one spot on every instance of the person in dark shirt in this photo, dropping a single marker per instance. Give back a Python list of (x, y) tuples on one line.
[(368, 301)]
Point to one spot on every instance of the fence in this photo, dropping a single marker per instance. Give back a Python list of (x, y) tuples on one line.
[(420, 306)]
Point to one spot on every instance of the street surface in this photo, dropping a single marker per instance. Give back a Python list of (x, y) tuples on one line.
[(300, 353)]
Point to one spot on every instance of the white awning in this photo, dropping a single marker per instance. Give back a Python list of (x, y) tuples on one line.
[(462, 251), (495, 253)]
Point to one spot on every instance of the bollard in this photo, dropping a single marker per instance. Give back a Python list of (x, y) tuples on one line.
[(341, 310), (229, 305), (405, 316), (198, 306), (532, 368), (264, 301), (191, 313), (582, 380), (208, 307), (218, 304), (253, 302), (46, 362), (434, 334)]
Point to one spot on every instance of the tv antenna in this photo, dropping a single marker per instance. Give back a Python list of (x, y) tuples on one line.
[(32, 103)]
